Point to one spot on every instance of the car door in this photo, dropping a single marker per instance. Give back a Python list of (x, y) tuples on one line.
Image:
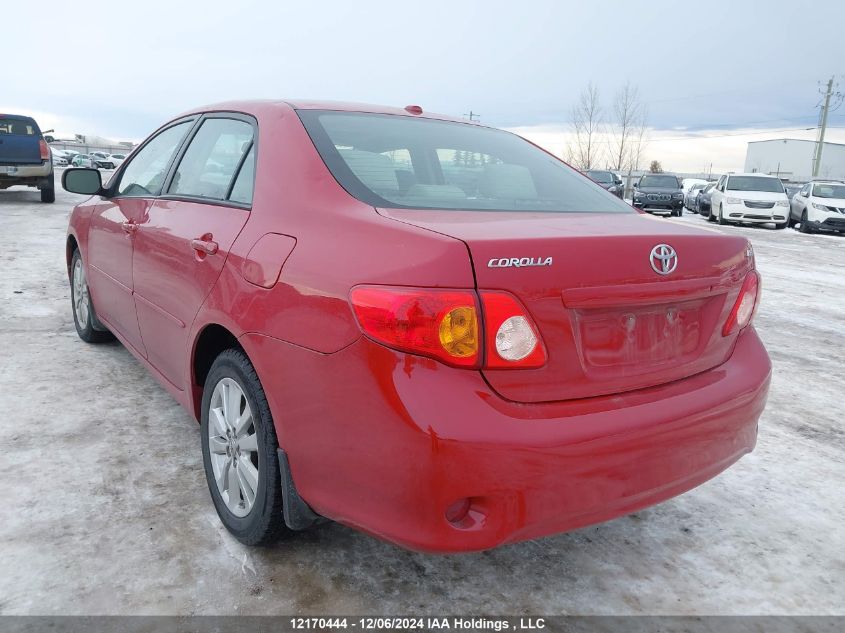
[(798, 202), (184, 239), (111, 232), (717, 194)]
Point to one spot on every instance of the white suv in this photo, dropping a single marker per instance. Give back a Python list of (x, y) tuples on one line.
[(820, 205), (749, 198)]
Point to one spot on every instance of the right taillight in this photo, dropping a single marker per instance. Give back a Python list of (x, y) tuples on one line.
[(447, 325), (511, 337), (745, 305)]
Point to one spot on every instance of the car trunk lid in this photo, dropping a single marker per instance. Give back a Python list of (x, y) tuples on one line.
[(609, 321)]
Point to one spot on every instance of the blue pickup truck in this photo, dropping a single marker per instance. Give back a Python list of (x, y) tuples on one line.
[(25, 157)]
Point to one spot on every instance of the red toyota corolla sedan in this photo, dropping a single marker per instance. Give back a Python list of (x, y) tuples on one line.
[(427, 329)]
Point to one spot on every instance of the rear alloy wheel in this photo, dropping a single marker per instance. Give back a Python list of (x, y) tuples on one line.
[(239, 451), (88, 327)]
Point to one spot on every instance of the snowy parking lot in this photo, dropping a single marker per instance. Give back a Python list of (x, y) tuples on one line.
[(106, 509)]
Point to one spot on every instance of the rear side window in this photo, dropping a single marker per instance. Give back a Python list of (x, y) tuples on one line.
[(213, 157), (407, 162), (242, 191), (144, 175)]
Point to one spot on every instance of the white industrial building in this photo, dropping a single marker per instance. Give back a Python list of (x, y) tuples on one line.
[(792, 159)]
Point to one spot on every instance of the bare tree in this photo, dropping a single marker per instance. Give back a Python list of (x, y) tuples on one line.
[(586, 123), (627, 114), (655, 167), (639, 140)]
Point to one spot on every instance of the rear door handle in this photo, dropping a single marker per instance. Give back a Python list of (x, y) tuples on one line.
[(208, 247), (129, 227)]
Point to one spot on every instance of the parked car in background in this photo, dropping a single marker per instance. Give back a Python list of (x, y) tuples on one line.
[(819, 206), (659, 194), (521, 354), (102, 160), (84, 160), (691, 194), (749, 198), (69, 154), (59, 158), (791, 189), (607, 180), (117, 159), (25, 157), (702, 200)]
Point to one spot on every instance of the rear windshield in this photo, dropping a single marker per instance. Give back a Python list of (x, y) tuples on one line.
[(404, 162), (829, 191), (22, 127), (755, 183), (601, 176), (666, 182)]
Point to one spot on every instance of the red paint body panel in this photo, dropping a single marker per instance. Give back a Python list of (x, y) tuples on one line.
[(386, 441)]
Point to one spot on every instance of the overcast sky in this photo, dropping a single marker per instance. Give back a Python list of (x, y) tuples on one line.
[(122, 67)]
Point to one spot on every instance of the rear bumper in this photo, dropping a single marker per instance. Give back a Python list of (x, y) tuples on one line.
[(32, 175), (396, 440)]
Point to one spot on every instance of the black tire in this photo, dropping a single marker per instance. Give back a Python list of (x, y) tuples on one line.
[(780, 226), (91, 331), (720, 218), (791, 221), (805, 224), (49, 194), (264, 523)]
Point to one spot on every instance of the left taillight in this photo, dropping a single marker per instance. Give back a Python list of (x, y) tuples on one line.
[(441, 324), (451, 326), (45, 150), (745, 305)]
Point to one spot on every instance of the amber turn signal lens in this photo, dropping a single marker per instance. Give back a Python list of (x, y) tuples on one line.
[(459, 332)]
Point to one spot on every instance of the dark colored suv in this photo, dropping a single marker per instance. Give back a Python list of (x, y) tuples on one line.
[(25, 157), (608, 180), (660, 194)]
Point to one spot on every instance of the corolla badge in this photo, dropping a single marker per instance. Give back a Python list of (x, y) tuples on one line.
[(518, 262), (664, 259)]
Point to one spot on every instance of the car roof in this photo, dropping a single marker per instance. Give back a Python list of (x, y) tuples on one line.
[(755, 175), (259, 106)]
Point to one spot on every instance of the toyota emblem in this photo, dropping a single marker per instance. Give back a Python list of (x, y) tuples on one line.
[(664, 259)]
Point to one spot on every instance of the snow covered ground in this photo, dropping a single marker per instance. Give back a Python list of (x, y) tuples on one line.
[(105, 508)]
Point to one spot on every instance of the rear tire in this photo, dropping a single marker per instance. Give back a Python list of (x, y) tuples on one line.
[(240, 451), (49, 194), (84, 317)]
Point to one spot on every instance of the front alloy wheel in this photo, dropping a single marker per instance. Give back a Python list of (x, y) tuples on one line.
[(88, 327)]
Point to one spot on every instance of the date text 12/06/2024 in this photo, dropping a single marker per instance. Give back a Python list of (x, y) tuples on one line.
[(417, 623)]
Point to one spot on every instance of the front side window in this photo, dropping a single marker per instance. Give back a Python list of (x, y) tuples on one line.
[(829, 191), (212, 158), (755, 183), (144, 175), (413, 163)]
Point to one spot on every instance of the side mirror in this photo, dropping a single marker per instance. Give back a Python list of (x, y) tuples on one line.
[(82, 180)]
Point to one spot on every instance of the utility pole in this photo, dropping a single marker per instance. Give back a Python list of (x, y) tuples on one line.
[(473, 116), (817, 160)]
